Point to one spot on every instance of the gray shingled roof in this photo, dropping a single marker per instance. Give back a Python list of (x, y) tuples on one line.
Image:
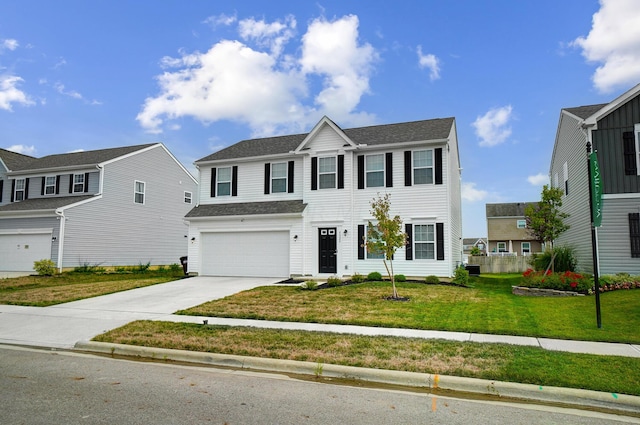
[(79, 158), (434, 129), (39, 204), (14, 160), (585, 112), (513, 209), (247, 208)]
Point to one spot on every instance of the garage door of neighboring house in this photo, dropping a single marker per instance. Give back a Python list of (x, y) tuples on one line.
[(259, 254), (19, 251)]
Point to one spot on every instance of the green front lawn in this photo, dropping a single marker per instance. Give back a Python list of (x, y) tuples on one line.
[(487, 307)]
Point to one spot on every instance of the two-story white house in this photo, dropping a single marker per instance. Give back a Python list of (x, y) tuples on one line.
[(109, 207), (298, 205)]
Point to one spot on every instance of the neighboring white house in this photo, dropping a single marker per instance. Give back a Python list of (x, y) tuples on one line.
[(109, 207), (298, 205), (613, 130)]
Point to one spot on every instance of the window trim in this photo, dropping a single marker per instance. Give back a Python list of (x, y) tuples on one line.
[(188, 197), (522, 244), (367, 171), (523, 222), (225, 182), (142, 193), (285, 164), (498, 244), (414, 168), (334, 172), (432, 242), (22, 190)]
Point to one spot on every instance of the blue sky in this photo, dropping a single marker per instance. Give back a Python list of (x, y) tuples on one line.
[(201, 75)]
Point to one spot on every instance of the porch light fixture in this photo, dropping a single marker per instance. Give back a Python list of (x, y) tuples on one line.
[(193, 238), (295, 237)]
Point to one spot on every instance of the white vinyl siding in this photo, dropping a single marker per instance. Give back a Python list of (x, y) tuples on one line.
[(423, 167), (374, 166)]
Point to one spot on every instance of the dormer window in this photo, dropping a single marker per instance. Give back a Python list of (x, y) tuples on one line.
[(50, 185), (78, 183), (19, 191)]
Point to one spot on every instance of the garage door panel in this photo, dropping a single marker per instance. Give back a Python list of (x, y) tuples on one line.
[(18, 252), (246, 254)]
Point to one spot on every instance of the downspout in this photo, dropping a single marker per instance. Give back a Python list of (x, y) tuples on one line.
[(63, 220)]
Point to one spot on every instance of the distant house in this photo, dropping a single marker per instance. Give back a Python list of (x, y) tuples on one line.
[(109, 207), (299, 204), (613, 129), (468, 244), (507, 230)]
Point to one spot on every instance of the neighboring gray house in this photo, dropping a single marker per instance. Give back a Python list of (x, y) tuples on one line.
[(109, 207), (614, 132), (299, 204)]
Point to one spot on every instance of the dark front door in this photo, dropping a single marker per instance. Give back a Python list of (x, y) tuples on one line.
[(328, 247)]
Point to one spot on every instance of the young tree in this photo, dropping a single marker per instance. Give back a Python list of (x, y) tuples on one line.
[(544, 220), (386, 236)]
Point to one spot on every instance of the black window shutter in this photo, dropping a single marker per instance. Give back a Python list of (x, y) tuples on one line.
[(213, 182), (13, 190), (360, 241), (86, 182), (234, 181), (440, 241), (634, 234), (314, 173), (408, 228), (629, 146), (408, 167), (388, 169), (42, 188), (57, 185), (70, 183), (290, 172), (340, 171), (267, 178), (438, 162), (1, 189), (360, 171), (26, 188)]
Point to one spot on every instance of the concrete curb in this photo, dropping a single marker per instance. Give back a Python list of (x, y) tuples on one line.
[(574, 397)]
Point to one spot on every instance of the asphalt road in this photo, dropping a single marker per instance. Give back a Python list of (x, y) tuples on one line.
[(61, 387)]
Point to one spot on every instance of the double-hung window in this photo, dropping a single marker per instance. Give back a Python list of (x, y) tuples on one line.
[(19, 190), (187, 197), (78, 183), (375, 170), (224, 181), (521, 224), (373, 255), (424, 240), (327, 172), (502, 247), (526, 248), (279, 177), (50, 185), (423, 167), (138, 190)]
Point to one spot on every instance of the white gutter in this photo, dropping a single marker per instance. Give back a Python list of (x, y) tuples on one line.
[(63, 219)]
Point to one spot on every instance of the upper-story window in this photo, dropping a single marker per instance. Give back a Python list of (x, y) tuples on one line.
[(279, 177), (187, 197), (565, 173), (327, 172), (50, 185), (224, 181), (521, 224), (424, 241), (19, 191), (78, 183), (374, 165), (139, 190), (423, 167)]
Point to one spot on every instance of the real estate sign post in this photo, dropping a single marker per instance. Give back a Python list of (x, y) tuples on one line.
[(595, 201)]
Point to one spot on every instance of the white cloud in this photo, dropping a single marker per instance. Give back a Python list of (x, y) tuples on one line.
[(71, 93), (25, 150), (492, 128), (9, 92), (471, 194), (613, 42), (539, 179), (221, 19), (9, 44), (430, 62), (254, 82)]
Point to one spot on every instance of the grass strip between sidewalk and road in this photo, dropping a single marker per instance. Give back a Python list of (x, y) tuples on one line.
[(502, 362)]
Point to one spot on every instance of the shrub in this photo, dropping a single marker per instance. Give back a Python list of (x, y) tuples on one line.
[(400, 278), (334, 281), (374, 276), (565, 281), (89, 268), (175, 269), (461, 276), (565, 259), (309, 285), (432, 280), (45, 267), (142, 268), (357, 278)]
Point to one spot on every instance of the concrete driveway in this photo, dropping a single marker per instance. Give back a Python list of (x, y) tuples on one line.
[(62, 325)]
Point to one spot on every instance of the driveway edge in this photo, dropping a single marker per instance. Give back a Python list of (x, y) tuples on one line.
[(622, 403)]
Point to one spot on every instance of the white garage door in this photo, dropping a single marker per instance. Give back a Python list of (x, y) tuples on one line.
[(18, 252), (260, 254)]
